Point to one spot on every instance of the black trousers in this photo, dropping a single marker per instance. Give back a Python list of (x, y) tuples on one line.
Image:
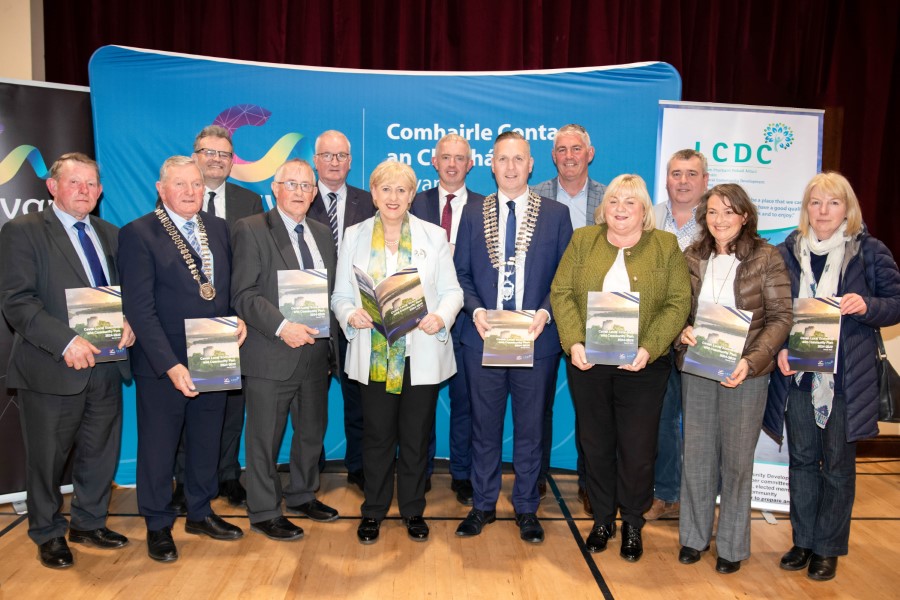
[(392, 421), (618, 416)]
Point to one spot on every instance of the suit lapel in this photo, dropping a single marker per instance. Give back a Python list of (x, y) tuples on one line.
[(57, 233), (282, 239)]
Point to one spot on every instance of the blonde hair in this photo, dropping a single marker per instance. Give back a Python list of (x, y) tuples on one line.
[(832, 182), (392, 170), (630, 184)]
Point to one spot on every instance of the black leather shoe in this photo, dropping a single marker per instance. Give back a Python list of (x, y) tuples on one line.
[(417, 528), (316, 511), (161, 546), (632, 545), (214, 527), (822, 568), (542, 489), (179, 502), (357, 478), (55, 554), (475, 522), (585, 501), (101, 538), (278, 529), (233, 492), (726, 567), (427, 484), (599, 536), (530, 529), (367, 532), (464, 491), (796, 558), (688, 556)]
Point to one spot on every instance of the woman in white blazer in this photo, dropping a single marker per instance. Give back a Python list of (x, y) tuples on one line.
[(399, 382)]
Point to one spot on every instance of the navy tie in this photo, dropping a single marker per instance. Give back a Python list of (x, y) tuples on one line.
[(305, 255), (90, 252), (510, 252)]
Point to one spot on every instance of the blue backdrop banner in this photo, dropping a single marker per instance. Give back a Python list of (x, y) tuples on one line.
[(149, 105)]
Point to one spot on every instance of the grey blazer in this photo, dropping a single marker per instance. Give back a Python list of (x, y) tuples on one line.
[(595, 191)]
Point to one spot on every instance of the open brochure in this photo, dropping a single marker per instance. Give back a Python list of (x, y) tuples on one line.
[(815, 335), (213, 356), (303, 298), (611, 327), (396, 305), (508, 342), (96, 315), (721, 333)]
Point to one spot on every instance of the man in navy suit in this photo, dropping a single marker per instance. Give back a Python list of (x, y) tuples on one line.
[(175, 265), (340, 206), (443, 206), (507, 251), (66, 399)]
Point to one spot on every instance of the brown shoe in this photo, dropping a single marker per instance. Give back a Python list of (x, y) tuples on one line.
[(661, 509)]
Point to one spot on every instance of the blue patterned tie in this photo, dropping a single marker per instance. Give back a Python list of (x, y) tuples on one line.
[(332, 216), (90, 252), (510, 252), (191, 236), (306, 258)]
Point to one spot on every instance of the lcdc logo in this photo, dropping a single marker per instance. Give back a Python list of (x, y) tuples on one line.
[(777, 137)]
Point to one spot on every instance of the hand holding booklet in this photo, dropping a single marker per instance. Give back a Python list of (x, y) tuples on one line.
[(396, 305), (611, 336), (721, 333), (303, 298), (508, 343), (815, 335), (214, 359), (96, 315)]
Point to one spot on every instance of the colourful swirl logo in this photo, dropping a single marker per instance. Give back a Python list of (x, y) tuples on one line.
[(13, 161), (252, 115)]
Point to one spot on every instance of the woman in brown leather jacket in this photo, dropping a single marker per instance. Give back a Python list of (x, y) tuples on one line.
[(732, 266)]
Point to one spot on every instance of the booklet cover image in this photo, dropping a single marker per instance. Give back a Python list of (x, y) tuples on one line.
[(213, 356), (611, 336), (303, 298), (721, 332), (96, 315), (813, 342)]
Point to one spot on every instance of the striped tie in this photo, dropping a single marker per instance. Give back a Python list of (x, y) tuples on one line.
[(191, 236), (332, 216)]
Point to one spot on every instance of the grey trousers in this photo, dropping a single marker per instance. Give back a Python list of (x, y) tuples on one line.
[(721, 429)]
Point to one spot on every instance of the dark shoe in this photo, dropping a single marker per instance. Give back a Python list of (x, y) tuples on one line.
[(599, 536), (214, 527), (530, 529), (542, 489), (688, 556), (367, 532), (233, 492), (660, 509), (357, 478), (632, 545), (796, 558), (417, 529), (179, 502), (464, 491), (427, 484), (55, 554), (475, 522), (585, 501), (316, 511), (278, 529), (726, 567), (101, 538), (161, 546), (822, 568)]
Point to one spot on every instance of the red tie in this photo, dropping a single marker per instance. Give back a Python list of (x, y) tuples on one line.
[(447, 216)]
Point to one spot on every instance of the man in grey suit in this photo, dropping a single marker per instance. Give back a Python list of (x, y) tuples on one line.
[(286, 370), (341, 206), (214, 154), (66, 398), (572, 154)]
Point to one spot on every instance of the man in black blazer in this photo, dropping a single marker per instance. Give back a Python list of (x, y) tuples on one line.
[(443, 206), (175, 265), (286, 370), (341, 206), (66, 399)]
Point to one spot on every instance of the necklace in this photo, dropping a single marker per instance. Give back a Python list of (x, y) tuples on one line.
[(724, 281), (523, 238), (207, 291), (391, 244)]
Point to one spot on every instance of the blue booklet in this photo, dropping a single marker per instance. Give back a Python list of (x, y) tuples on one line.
[(214, 359), (611, 336), (303, 298), (721, 333), (815, 335), (95, 313), (508, 342)]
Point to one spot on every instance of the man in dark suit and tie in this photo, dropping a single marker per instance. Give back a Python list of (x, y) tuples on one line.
[(175, 265), (214, 154), (443, 205), (285, 368), (507, 251), (66, 399), (572, 187), (341, 206)]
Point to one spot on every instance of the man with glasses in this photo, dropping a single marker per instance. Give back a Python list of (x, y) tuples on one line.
[(285, 368), (572, 153), (340, 207)]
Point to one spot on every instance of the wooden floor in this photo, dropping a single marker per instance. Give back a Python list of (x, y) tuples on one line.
[(329, 563)]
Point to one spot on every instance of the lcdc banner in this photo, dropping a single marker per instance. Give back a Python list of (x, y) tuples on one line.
[(149, 105)]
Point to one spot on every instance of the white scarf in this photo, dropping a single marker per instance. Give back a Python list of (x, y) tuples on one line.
[(822, 383)]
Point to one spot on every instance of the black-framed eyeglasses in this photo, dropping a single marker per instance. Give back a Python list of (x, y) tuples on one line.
[(210, 153), (329, 156), (292, 186)]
